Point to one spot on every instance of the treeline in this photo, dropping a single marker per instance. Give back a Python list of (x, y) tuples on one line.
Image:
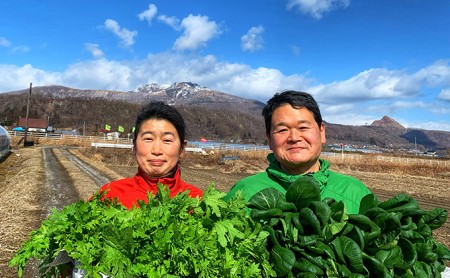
[(90, 115)]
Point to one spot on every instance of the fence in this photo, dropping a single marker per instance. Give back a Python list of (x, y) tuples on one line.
[(388, 159), (105, 141), (109, 142), (60, 136), (227, 146)]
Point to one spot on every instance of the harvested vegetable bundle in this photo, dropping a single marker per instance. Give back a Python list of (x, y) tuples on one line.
[(178, 236), (314, 238)]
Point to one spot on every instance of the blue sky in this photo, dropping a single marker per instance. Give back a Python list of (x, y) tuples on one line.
[(361, 60)]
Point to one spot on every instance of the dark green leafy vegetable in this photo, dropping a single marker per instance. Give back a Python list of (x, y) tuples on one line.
[(435, 218), (284, 260), (303, 191), (393, 238)]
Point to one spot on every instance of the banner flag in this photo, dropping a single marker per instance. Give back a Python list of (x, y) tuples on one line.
[(107, 127), (120, 129)]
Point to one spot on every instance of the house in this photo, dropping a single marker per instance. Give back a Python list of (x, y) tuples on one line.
[(441, 153), (37, 125)]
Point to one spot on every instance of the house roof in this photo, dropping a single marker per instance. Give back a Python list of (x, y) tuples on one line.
[(33, 123)]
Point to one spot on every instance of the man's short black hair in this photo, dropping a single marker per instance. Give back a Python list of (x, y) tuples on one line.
[(296, 99)]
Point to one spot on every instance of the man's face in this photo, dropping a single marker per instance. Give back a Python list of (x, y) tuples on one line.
[(296, 139)]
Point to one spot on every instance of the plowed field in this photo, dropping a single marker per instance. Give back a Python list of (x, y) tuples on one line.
[(35, 179)]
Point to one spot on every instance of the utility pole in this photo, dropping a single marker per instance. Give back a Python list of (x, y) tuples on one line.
[(415, 145), (25, 142)]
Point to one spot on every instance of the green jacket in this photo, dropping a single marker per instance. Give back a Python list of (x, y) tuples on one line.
[(332, 184)]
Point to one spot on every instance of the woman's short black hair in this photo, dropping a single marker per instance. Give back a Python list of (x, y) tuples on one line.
[(296, 99), (161, 111)]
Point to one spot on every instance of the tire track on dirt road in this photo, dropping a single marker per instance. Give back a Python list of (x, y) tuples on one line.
[(61, 191), (95, 175), (60, 187), (60, 182)]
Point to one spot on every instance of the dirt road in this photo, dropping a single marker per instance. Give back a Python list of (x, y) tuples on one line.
[(34, 180)]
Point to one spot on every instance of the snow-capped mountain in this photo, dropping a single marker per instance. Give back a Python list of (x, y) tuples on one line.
[(179, 93)]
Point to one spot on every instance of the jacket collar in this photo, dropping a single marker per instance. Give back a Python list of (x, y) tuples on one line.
[(276, 173), (151, 183)]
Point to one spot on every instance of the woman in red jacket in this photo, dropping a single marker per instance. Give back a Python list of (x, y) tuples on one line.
[(159, 143)]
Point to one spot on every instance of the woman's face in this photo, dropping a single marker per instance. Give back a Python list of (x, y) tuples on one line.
[(158, 147)]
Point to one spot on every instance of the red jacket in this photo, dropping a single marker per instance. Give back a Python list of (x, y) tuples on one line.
[(129, 190)]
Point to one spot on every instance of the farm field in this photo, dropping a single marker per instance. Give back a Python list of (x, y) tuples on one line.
[(35, 179)]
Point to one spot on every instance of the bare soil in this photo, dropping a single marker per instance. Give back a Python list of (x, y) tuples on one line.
[(33, 180)]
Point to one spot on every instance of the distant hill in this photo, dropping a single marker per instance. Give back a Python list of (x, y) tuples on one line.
[(178, 94), (388, 133), (387, 122), (211, 114)]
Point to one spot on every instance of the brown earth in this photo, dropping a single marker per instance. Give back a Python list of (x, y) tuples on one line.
[(35, 179)]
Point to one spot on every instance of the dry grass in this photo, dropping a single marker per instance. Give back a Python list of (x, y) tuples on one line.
[(113, 156), (66, 141), (375, 163), (20, 188), (414, 166), (216, 157)]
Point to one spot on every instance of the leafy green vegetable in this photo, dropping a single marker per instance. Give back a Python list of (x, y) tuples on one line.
[(285, 235), (303, 191), (393, 238), (284, 260), (178, 236), (435, 218)]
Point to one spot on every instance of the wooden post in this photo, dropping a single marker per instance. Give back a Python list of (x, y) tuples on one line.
[(25, 142)]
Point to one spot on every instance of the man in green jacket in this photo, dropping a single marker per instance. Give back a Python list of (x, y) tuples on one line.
[(296, 133)]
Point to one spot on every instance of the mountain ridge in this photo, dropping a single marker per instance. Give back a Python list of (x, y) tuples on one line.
[(217, 114), (179, 93)]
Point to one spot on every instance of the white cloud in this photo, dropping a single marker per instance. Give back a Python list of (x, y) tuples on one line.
[(350, 117), (197, 31), (436, 74), (163, 68), (261, 83), (94, 49), (237, 79), (253, 40), (4, 42), (380, 83), (148, 14), (15, 78), (7, 44), (355, 117), (444, 95), (172, 21), (100, 74), (316, 8), (380, 87), (360, 99), (431, 125), (369, 84), (385, 107), (126, 36)]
